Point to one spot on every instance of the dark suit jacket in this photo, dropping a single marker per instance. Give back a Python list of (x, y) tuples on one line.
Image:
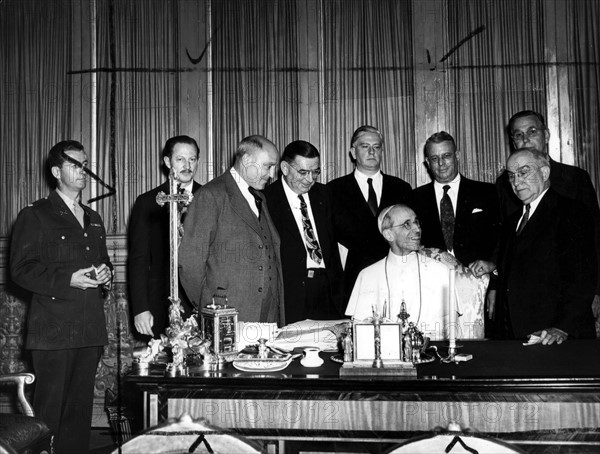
[(223, 247), (48, 246), (568, 181), (355, 226), (477, 222), (547, 273), (148, 260), (293, 252)]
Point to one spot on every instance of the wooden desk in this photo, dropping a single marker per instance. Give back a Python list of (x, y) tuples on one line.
[(506, 389)]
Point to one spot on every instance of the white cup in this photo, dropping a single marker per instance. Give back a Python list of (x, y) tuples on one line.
[(311, 357)]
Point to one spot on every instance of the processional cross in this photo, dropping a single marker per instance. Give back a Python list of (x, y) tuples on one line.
[(176, 201)]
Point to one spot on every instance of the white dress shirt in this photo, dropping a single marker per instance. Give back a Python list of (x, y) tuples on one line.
[(452, 193), (532, 207), (243, 186), (294, 202), (361, 179)]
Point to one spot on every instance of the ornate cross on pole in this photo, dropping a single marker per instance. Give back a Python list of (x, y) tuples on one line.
[(175, 201)]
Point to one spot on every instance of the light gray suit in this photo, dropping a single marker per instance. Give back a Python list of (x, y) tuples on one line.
[(226, 250)]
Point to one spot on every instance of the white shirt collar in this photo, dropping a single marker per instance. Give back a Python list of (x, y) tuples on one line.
[(292, 197), (188, 187), (453, 185), (361, 177), (243, 187), (361, 180)]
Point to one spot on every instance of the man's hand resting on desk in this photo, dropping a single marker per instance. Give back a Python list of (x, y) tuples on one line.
[(144, 322), (548, 336)]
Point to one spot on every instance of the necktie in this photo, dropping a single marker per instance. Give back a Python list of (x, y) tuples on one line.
[(372, 200), (182, 209), (309, 235), (524, 220), (447, 218), (78, 212), (257, 199)]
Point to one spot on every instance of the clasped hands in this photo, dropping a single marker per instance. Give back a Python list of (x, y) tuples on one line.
[(84, 278)]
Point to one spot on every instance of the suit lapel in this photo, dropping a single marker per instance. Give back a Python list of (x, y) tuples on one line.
[(355, 194), (385, 194), (435, 213), (284, 209), (463, 199), (239, 204), (539, 219), (318, 210)]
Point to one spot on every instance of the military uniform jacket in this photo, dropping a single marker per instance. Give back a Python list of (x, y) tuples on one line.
[(48, 246)]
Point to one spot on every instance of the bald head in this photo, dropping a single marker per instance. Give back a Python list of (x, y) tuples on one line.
[(256, 159), (529, 173)]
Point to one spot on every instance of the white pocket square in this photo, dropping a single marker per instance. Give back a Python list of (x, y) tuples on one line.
[(476, 210)]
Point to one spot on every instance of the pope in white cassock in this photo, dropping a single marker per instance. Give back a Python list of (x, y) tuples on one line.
[(411, 274)]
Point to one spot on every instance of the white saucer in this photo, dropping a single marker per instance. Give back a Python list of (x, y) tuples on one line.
[(261, 366), (316, 363)]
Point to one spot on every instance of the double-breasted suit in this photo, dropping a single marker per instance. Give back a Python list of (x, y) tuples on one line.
[(547, 273), (476, 225), (227, 250), (355, 226), (293, 252), (148, 259)]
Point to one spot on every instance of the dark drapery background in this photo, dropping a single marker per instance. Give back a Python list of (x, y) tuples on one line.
[(288, 69), (122, 76)]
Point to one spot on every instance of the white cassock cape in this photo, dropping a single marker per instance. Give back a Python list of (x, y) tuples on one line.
[(422, 282)]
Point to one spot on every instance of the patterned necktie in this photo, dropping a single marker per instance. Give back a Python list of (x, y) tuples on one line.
[(78, 212), (524, 220), (182, 210), (372, 200), (447, 218), (257, 199), (309, 235)]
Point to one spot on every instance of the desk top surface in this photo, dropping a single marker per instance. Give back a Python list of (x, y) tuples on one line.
[(572, 365)]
